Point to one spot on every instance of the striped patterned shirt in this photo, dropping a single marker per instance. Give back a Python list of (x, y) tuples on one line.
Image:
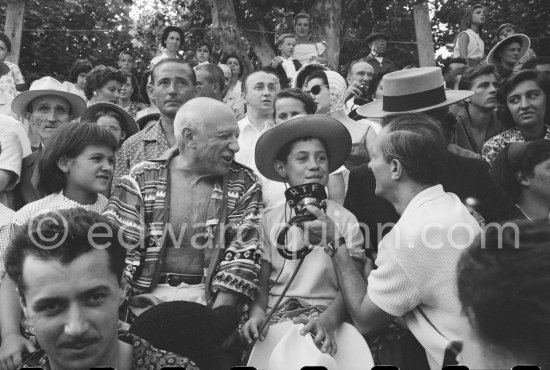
[(139, 206)]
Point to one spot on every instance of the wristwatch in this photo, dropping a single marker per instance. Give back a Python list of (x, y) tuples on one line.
[(332, 247)]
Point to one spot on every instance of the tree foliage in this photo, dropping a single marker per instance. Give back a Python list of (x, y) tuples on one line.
[(59, 32)]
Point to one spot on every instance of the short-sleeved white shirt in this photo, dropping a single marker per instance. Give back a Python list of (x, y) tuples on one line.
[(416, 274)]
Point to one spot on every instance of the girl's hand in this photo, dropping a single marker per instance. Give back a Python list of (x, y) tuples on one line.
[(322, 329), (251, 329)]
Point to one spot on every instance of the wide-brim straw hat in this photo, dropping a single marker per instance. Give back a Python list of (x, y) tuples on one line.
[(285, 348), (412, 91), (521, 38), (47, 86), (332, 133), (129, 124)]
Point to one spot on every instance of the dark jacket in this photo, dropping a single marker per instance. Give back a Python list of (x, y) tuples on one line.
[(466, 177), (25, 191)]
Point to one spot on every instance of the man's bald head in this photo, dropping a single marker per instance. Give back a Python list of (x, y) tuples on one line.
[(201, 114)]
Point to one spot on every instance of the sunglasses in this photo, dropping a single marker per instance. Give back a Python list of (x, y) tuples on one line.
[(315, 90)]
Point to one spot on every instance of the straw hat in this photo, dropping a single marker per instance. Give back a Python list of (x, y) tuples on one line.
[(332, 133), (47, 86), (129, 124), (411, 91), (285, 348), (492, 57)]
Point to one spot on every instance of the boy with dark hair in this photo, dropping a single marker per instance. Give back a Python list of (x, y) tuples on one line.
[(286, 64)]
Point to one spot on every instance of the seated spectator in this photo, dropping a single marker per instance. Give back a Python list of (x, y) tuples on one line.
[(503, 288), (506, 54), (230, 98), (77, 78), (104, 84), (378, 43), (307, 50), (203, 51), (127, 61), (290, 103), (11, 82), (171, 40), (211, 79), (360, 74), (72, 294), (301, 151), (523, 109), (287, 66), (508, 29), (539, 64), (130, 95), (476, 118), (74, 169), (113, 118), (523, 170), (414, 279), (46, 105)]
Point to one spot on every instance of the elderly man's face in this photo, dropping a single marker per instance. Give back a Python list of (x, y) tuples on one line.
[(361, 72), (216, 144), (48, 113), (173, 87), (74, 309)]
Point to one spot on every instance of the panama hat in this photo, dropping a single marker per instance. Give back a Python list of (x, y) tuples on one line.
[(47, 86), (129, 123), (332, 133), (285, 348), (411, 91), (492, 57), (4, 69), (377, 35)]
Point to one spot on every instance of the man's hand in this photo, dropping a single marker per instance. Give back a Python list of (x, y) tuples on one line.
[(354, 89), (322, 330), (251, 329), (321, 231), (11, 351)]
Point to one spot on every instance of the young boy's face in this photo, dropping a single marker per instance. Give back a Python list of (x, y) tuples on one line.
[(126, 62), (287, 47)]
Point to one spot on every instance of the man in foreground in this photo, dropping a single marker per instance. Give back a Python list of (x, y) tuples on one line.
[(69, 275)]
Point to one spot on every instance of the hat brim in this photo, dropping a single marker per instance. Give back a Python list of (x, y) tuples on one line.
[(353, 352), (525, 44), (375, 109), (131, 127), (332, 133), (21, 102), (377, 35)]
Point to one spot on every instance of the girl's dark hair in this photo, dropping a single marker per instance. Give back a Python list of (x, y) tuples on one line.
[(80, 66), (510, 83), (167, 31), (202, 43), (69, 140), (136, 94), (228, 56), (6, 40), (508, 172), (99, 77)]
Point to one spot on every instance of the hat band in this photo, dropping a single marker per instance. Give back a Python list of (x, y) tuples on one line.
[(403, 103)]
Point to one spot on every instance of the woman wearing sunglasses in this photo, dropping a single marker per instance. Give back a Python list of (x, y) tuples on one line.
[(328, 90)]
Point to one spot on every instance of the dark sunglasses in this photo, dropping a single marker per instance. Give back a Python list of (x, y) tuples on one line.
[(315, 90)]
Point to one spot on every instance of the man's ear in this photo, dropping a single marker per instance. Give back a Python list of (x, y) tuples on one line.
[(123, 135), (523, 179), (151, 91), (22, 302), (280, 168), (216, 88), (123, 286), (198, 89), (396, 169), (188, 138), (28, 116), (63, 163)]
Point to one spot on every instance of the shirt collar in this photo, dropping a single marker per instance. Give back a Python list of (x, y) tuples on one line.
[(153, 132)]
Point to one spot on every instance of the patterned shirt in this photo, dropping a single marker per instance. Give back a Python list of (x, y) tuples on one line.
[(134, 107), (150, 143), (144, 355), (493, 146), (139, 205), (6, 215)]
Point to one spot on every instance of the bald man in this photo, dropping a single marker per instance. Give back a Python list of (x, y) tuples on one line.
[(206, 247)]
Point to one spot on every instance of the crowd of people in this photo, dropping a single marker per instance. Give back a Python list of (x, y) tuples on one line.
[(199, 216)]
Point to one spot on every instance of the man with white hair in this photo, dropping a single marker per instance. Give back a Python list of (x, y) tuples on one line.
[(194, 215)]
